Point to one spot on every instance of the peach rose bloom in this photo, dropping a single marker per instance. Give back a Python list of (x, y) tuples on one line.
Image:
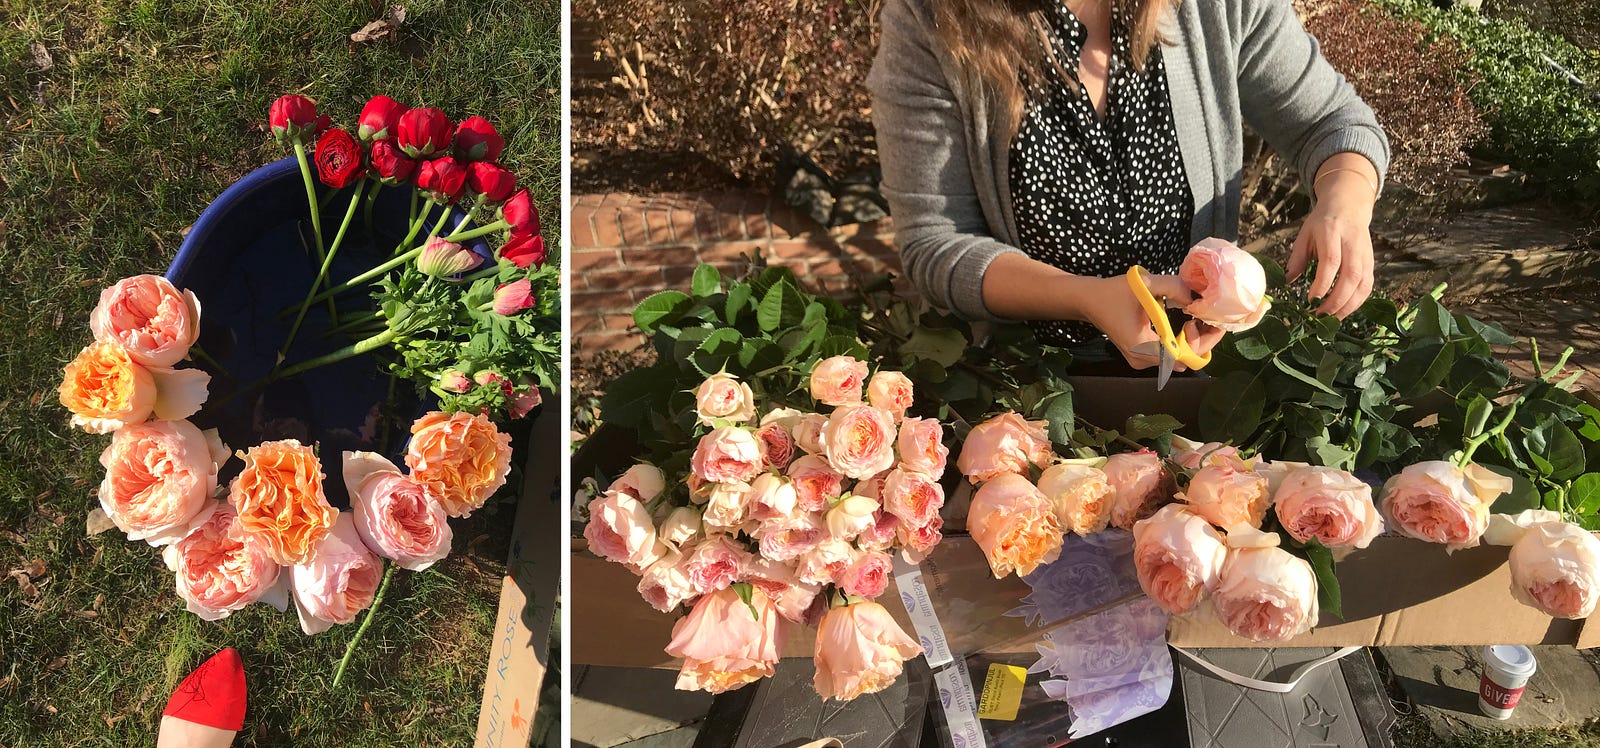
[(1080, 495), (716, 563), (1555, 568), (912, 496), (1014, 524), (159, 475), (920, 445), (665, 584), (1266, 594), (149, 318), (219, 573), (859, 441), (772, 496), (837, 381), (808, 433), (1139, 484), (1441, 503), (105, 389), (280, 502), (339, 581), (860, 650), (881, 535), (642, 481), (622, 530), (1229, 285), (729, 505), (723, 396), (792, 597), (917, 542), (868, 574), (789, 538), (681, 526), (1226, 497), (1330, 505), (890, 391), (871, 488), (1178, 556), (1007, 443), (461, 456), (826, 562), (723, 645), (850, 517), (397, 517), (815, 483), (1195, 455), (726, 455), (777, 446)]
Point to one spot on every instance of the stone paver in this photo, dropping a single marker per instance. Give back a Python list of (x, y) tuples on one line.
[(637, 707), (1442, 683)]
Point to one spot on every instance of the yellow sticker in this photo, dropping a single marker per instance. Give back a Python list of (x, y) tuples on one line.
[(1002, 692)]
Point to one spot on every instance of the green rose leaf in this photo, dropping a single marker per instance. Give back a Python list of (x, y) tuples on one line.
[(1329, 597), (658, 308), (707, 281), (1232, 409), (941, 345), (1585, 494)]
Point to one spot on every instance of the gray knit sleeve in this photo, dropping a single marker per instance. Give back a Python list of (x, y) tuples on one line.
[(944, 240), (1290, 94)]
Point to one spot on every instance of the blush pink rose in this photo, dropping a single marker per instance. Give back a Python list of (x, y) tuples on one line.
[(1139, 484), (789, 538), (716, 563), (1178, 556), (1266, 594), (642, 481), (723, 644), (1194, 455), (1441, 503), (1555, 568), (777, 446), (723, 397), (339, 581), (1007, 443), (868, 574), (727, 455), (1330, 505), (881, 535), (728, 507), (838, 381), (1226, 497), (808, 433), (159, 475), (920, 445), (1080, 495), (622, 530), (665, 584), (1229, 285), (149, 318), (917, 542), (398, 518), (912, 496), (890, 391), (219, 573), (772, 496), (816, 483), (1014, 524), (792, 597), (860, 649), (826, 562), (859, 441)]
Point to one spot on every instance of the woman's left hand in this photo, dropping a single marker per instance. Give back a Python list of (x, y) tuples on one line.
[(1337, 235)]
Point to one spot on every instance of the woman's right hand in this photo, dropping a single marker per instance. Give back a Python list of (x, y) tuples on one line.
[(1110, 305)]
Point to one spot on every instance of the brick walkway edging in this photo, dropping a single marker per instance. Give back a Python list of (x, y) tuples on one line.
[(626, 247)]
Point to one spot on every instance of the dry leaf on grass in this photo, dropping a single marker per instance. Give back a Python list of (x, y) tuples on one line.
[(382, 28), (23, 582), (36, 568), (41, 56), (98, 522)]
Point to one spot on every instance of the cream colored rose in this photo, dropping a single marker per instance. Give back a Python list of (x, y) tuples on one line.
[(850, 517), (665, 584), (1441, 503), (1178, 556), (723, 397), (1555, 568), (729, 506), (1007, 443), (642, 481), (772, 496), (808, 434), (1014, 524), (1266, 594), (1226, 497), (1330, 505), (1080, 496), (1229, 285), (683, 525), (838, 381)]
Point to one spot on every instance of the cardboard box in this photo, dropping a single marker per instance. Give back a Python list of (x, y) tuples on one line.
[(520, 654)]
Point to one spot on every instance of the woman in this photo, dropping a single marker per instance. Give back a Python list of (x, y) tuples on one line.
[(1034, 150)]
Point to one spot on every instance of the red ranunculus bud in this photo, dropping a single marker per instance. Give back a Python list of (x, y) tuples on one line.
[(490, 180), (520, 213), (510, 298), (292, 116), (443, 179), (424, 132), (389, 164), (380, 118), (338, 159), (477, 140), (524, 251)]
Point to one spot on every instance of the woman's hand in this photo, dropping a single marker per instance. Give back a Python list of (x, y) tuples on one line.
[(1337, 235), (1111, 306)]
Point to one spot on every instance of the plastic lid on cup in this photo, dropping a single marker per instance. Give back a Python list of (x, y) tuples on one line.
[(1511, 659)]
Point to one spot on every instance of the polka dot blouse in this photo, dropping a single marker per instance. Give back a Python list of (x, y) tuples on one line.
[(1091, 196)]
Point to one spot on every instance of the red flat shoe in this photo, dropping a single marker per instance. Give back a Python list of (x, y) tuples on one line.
[(212, 695)]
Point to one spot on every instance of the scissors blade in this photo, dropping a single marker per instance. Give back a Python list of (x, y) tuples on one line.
[(1149, 348), (1164, 373)]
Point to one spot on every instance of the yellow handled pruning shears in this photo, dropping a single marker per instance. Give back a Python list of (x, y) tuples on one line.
[(1170, 348)]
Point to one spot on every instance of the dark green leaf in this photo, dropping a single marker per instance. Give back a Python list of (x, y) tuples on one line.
[(1423, 367), (746, 592), (1329, 597), (1232, 408), (1141, 427), (1059, 413), (1522, 495), (942, 345), (1566, 453), (1478, 412), (630, 398), (1487, 332), (760, 354), (1252, 348), (1289, 369), (718, 349), (842, 345), (738, 300)]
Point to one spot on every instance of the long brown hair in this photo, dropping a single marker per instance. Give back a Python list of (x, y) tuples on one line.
[(997, 43)]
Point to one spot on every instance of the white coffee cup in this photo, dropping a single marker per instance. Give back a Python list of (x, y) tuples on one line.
[(1506, 670)]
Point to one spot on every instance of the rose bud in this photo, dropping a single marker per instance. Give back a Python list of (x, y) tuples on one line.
[(860, 650), (453, 380), (338, 158), (492, 378), (443, 259), (891, 391), (524, 400), (442, 179), (380, 119), (424, 132), (838, 380), (510, 298), (490, 180), (1178, 557), (292, 117), (723, 397), (477, 140), (723, 645), (518, 211), (682, 525), (524, 251), (1014, 524), (1330, 505), (1441, 503), (1229, 285), (1266, 594), (1006, 443), (389, 165)]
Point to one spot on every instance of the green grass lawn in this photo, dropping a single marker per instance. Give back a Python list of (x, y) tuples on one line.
[(112, 141)]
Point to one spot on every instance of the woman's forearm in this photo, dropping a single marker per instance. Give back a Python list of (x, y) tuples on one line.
[(1016, 286), (1348, 182)]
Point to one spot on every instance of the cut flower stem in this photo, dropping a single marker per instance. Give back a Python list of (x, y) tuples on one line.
[(366, 621)]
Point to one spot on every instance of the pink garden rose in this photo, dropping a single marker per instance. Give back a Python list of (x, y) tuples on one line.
[(722, 396), (816, 483), (838, 381), (772, 496), (1555, 568), (881, 535), (793, 598), (665, 584), (339, 581), (1266, 594), (1441, 503), (825, 563), (912, 496), (1229, 285), (868, 574), (808, 433), (1014, 524), (149, 318), (218, 573), (1226, 497), (1194, 455), (723, 645), (789, 538), (159, 475), (622, 530), (1139, 485), (397, 517), (1080, 496), (860, 650), (716, 563), (920, 445), (777, 446), (917, 542), (1007, 443), (727, 454), (1330, 505), (729, 506), (1178, 556), (642, 481), (890, 391), (859, 441)]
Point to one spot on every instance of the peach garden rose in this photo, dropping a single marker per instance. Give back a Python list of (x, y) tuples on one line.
[(1229, 285), (1226, 497), (146, 315), (1178, 557), (1266, 594), (815, 482), (860, 649), (891, 391), (621, 529), (1014, 524), (1555, 568), (461, 456), (105, 389), (1139, 484), (1080, 496), (339, 581), (727, 454), (279, 499), (1439, 502), (219, 573), (837, 381), (859, 441), (913, 497), (1330, 505), (723, 644), (723, 397), (920, 445), (1007, 443), (159, 475)]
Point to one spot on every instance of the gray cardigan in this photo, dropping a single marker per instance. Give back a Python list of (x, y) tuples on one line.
[(1228, 62)]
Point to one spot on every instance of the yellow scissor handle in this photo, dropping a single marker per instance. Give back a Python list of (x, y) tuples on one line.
[(1178, 346)]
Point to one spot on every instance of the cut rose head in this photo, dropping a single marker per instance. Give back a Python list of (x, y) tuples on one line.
[(462, 457), (1555, 568), (1266, 594), (279, 499), (1007, 443), (1139, 484), (1014, 525), (1226, 497), (725, 643), (838, 380), (294, 117), (1441, 503), (1328, 504), (1178, 557), (159, 475), (1080, 495), (1229, 285), (218, 572), (336, 583), (397, 517), (145, 314)]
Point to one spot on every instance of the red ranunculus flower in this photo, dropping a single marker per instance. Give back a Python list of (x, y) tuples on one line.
[(489, 179), (520, 213), (510, 298), (424, 132), (293, 116), (338, 159), (524, 251), (477, 140), (380, 118), (443, 179), (389, 164)]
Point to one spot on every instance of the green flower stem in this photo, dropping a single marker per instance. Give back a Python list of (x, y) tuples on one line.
[(365, 319), (366, 621), (438, 225), (372, 199), (322, 273), (311, 196), (349, 351), (1473, 443), (477, 232), (198, 353), (471, 213), (418, 218), (395, 262)]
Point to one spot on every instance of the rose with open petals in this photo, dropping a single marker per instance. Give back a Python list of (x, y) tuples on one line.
[(789, 538), (859, 441), (838, 380), (881, 535), (920, 445), (621, 529), (723, 644), (149, 318), (716, 563), (1266, 594), (772, 496), (1178, 556), (1330, 505), (868, 574), (792, 597), (729, 505), (280, 503), (1014, 524), (891, 391), (918, 541), (1555, 567), (912, 496), (727, 454), (723, 397), (777, 446), (105, 389), (1007, 443), (860, 650), (1439, 502), (815, 482), (1138, 486), (159, 474), (826, 562), (1229, 285), (665, 584), (219, 573), (1080, 495), (397, 517), (642, 481), (339, 581), (1226, 497), (461, 456)]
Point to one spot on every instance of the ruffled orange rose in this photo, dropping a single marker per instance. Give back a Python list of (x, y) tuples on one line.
[(105, 389), (461, 456), (1014, 524), (280, 502)]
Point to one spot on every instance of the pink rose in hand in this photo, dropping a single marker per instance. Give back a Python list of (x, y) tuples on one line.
[(1007, 443), (398, 518), (859, 441), (339, 581), (219, 573), (1229, 285), (723, 644), (159, 476), (723, 397), (149, 318), (1441, 503), (860, 649), (1226, 497), (838, 381), (726, 455), (1139, 484), (1330, 505), (1555, 567), (1178, 556), (1266, 594), (921, 446)]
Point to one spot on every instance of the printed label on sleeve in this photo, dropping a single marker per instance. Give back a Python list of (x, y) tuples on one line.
[(919, 605), (960, 706), (1002, 692)]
